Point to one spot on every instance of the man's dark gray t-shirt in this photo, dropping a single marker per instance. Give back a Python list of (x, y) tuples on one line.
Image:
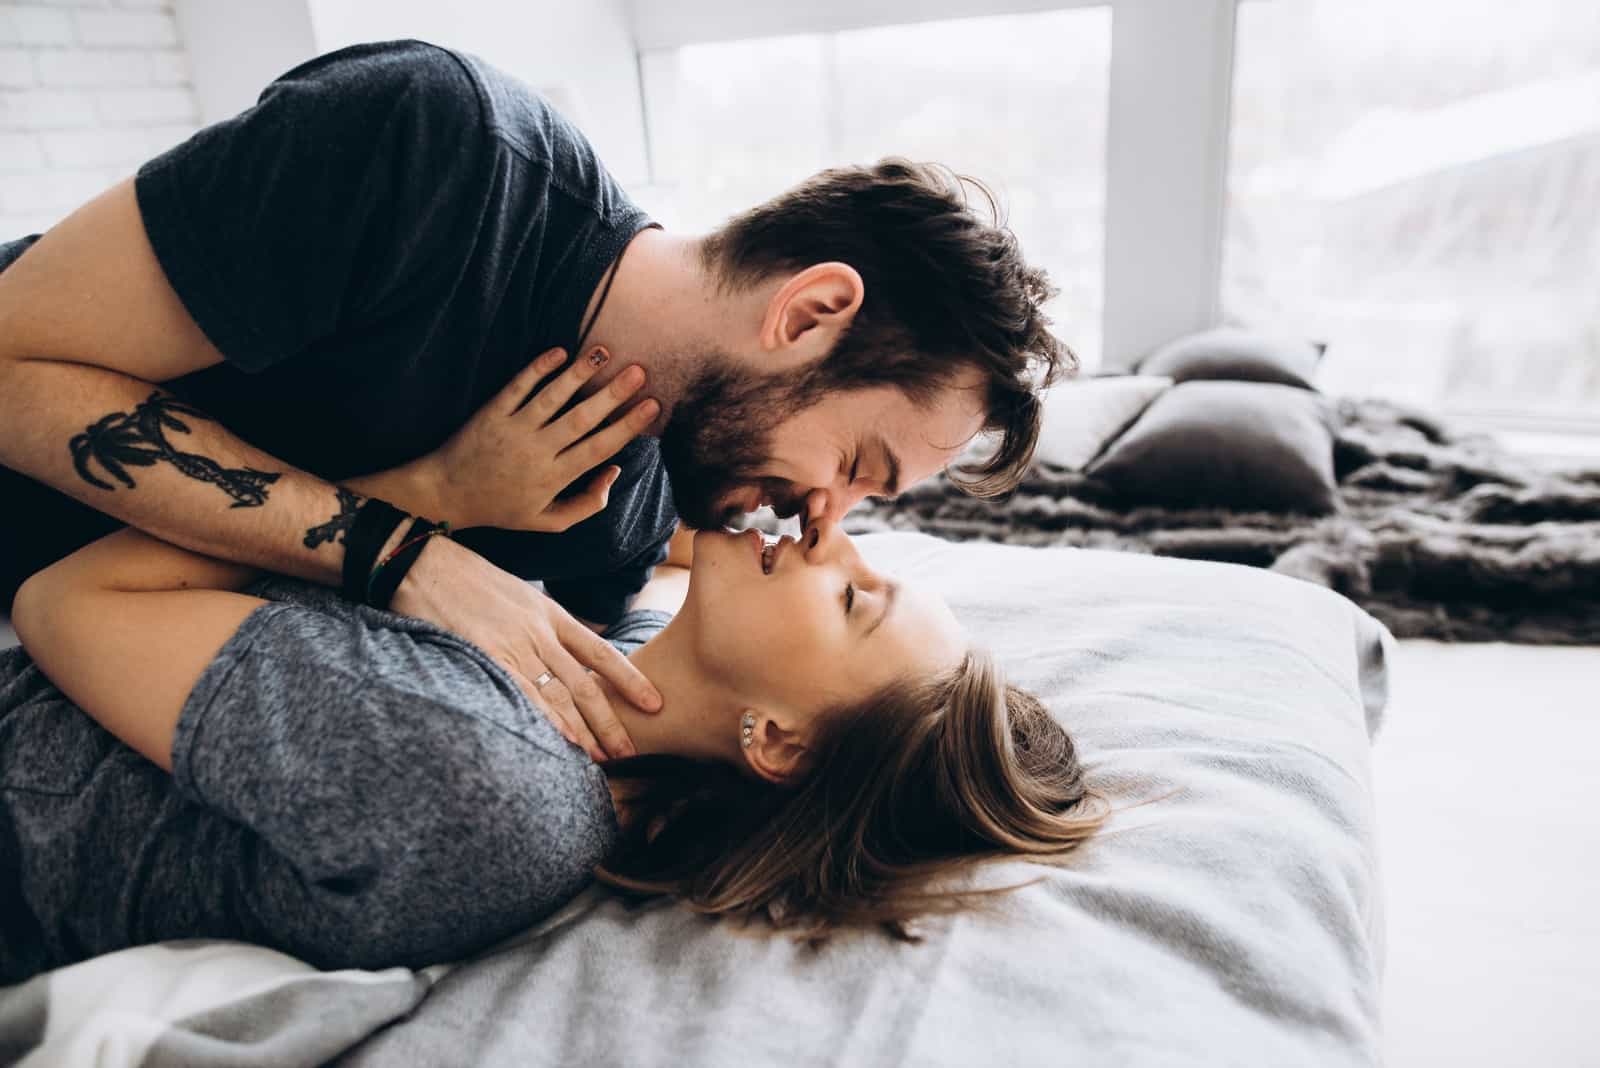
[(376, 247), (355, 788)]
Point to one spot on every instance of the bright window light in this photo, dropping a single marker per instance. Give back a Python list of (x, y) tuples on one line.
[(1018, 101), (1418, 184)]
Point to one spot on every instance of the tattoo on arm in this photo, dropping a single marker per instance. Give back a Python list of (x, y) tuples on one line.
[(139, 439), (339, 526)]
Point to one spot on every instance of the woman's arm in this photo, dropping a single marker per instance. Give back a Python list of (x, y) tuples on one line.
[(125, 626), (665, 591)]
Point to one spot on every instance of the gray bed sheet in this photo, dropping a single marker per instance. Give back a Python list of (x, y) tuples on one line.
[(1237, 922)]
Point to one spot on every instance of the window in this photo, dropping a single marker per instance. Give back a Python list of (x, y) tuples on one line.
[(1018, 101), (1418, 184)]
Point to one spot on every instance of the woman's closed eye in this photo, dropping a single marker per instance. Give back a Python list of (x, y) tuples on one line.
[(849, 597)]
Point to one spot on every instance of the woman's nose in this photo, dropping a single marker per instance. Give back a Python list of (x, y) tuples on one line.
[(825, 542), (818, 537)]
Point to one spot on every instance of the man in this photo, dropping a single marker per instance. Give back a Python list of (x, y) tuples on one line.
[(341, 276)]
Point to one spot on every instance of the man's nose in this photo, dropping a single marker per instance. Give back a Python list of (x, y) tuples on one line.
[(832, 504)]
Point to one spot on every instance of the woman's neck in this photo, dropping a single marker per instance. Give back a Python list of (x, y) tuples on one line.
[(692, 721)]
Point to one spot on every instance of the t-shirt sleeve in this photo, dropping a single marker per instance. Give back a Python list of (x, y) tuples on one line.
[(604, 598), (333, 197), (422, 807)]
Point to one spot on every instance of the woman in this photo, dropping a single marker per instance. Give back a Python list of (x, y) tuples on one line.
[(361, 789)]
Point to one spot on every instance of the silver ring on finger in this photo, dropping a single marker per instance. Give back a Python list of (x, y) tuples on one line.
[(543, 680)]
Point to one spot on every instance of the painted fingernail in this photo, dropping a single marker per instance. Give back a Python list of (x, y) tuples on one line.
[(598, 357)]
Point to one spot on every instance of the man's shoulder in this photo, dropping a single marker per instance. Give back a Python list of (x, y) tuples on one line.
[(447, 90), (528, 123), (442, 84)]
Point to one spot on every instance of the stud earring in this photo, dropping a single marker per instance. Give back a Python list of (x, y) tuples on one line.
[(747, 729)]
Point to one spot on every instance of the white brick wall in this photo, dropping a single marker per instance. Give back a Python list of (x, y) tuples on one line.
[(89, 89)]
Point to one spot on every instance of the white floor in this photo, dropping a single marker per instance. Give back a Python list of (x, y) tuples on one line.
[(1488, 790)]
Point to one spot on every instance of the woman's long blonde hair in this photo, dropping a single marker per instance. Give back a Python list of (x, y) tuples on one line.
[(921, 781)]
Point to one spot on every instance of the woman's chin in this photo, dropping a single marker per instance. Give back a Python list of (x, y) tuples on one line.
[(714, 542), (729, 562)]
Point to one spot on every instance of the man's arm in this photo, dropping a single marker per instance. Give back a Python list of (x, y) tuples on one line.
[(89, 324), (680, 550)]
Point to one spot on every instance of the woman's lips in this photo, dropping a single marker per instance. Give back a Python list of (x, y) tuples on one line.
[(766, 551), (777, 549)]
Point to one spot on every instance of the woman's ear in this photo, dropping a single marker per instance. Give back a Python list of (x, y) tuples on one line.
[(773, 751)]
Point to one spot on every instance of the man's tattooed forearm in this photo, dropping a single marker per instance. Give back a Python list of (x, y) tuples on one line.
[(339, 525), (139, 439)]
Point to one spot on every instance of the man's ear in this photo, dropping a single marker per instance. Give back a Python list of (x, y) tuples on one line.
[(774, 752), (823, 298)]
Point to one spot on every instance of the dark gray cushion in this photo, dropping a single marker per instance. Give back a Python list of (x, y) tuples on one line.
[(1236, 354), (1083, 414), (1244, 445)]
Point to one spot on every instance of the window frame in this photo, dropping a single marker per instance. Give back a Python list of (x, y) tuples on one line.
[(1168, 115)]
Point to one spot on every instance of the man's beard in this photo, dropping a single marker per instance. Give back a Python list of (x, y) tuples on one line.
[(718, 436)]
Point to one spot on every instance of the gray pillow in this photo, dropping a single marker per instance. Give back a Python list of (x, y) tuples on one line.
[(1236, 354), (1082, 414), (1241, 445)]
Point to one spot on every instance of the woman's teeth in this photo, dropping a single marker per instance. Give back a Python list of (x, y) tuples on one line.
[(767, 551)]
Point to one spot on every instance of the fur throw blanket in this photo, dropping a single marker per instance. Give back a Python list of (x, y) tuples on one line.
[(1439, 534)]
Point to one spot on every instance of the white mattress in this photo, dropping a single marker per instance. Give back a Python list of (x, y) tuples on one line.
[(1238, 922)]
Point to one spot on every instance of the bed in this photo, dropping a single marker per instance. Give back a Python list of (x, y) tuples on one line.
[(1236, 919)]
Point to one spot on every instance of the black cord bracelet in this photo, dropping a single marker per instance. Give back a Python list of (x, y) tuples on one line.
[(375, 520)]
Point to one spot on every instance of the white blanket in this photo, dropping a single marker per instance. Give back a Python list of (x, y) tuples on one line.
[(199, 1002)]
